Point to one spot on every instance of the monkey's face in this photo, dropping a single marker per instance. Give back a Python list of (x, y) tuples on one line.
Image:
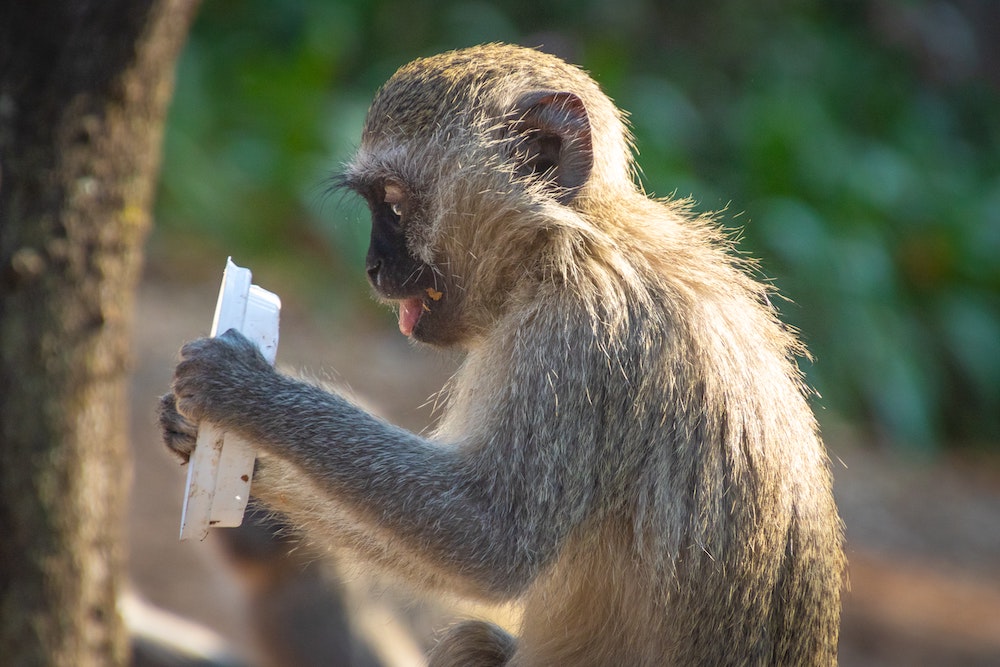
[(397, 274)]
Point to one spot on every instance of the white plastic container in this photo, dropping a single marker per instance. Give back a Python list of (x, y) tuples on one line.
[(221, 466)]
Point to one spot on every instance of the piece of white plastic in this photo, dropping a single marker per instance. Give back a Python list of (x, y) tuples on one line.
[(221, 466)]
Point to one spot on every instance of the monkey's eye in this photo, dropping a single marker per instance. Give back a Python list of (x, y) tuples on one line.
[(395, 197)]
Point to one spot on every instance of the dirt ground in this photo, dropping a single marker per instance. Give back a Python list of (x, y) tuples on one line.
[(924, 537)]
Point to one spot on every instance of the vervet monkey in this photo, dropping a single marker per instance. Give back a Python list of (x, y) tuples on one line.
[(627, 448)]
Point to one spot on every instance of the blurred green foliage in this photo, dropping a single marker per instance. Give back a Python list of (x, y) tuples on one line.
[(856, 146)]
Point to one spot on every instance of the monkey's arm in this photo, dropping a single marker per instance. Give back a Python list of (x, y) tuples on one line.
[(492, 508)]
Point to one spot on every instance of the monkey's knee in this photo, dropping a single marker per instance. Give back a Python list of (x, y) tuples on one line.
[(473, 644)]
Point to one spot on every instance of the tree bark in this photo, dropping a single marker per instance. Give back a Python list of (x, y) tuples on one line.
[(84, 85)]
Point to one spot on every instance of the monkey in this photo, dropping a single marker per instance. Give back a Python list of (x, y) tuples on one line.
[(627, 448)]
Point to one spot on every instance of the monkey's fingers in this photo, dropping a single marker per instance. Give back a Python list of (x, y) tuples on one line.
[(179, 434)]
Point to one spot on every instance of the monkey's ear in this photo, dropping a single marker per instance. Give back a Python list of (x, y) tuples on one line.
[(552, 140)]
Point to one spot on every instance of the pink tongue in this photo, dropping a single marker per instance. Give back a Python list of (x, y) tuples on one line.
[(410, 311)]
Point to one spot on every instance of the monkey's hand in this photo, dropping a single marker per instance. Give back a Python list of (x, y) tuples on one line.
[(215, 379), (179, 434)]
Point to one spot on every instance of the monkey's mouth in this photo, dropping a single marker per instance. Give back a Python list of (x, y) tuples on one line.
[(410, 311)]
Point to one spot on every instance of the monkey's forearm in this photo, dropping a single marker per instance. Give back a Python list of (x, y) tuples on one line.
[(331, 525), (433, 498)]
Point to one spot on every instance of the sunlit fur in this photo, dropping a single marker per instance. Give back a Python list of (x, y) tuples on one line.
[(627, 447)]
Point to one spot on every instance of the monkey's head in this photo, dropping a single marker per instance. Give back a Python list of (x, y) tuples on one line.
[(474, 164)]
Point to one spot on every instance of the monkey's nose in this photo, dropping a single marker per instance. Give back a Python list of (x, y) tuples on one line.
[(373, 270)]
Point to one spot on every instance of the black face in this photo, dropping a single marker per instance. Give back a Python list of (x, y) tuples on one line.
[(397, 275), (392, 270)]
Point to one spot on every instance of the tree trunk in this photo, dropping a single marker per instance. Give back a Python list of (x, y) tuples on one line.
[(84, 85)]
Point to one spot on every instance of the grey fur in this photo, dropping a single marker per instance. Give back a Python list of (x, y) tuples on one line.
[(627, 447)]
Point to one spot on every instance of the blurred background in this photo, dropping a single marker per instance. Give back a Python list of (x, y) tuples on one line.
[(854, 147)]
